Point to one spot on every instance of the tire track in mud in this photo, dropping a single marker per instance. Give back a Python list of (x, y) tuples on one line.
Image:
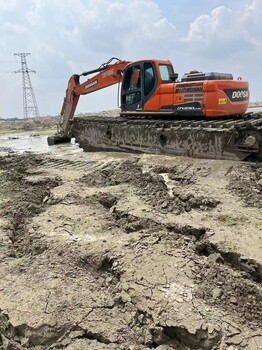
[(88, 165)]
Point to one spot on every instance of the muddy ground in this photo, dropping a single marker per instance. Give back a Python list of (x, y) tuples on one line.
[(113, 251)]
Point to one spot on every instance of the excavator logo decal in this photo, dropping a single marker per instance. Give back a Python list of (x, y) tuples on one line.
[(237, 95), (93, 83), (109, 72)]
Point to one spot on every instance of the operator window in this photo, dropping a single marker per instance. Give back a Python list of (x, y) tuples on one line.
[(149, 78), (165, 71), (132, 78), (132, 98), (135, 78)]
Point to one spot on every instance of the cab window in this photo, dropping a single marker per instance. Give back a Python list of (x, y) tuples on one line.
[(132, 98), (132, 78), (149, 78), (165, 71)]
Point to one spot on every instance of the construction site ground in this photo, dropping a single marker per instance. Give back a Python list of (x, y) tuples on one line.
[(125, 251)]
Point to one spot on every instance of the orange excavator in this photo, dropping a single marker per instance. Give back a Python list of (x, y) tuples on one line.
[(202, 115)]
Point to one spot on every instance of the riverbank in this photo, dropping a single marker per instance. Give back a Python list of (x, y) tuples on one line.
[(40, 124)]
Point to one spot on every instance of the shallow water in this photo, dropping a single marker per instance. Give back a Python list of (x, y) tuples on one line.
[(30, 142)]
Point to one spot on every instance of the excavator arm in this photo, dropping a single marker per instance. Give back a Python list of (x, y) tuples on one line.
[(107, 74)]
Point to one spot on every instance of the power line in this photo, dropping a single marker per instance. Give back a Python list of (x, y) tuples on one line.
[(29, 100), (6, 76)]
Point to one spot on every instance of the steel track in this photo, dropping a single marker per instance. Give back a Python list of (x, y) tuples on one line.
[(228, 138)]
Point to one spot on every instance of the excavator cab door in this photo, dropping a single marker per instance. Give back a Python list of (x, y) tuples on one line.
[(139, 83)]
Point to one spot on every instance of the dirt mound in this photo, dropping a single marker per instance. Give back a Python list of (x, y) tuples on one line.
[(152, 185), (220, 285), (20, 163)]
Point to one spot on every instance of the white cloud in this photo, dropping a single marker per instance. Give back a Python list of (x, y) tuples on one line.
[(228, 40), (251, 20), (13, 28), (76, 35), (33, 16), (218, 35), (253, 12), (71, 36), (7, 5)]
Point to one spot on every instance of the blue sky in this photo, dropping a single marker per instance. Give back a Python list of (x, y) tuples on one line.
[(71, 36)]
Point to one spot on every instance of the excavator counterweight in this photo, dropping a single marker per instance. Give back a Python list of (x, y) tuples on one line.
[(203, 115)]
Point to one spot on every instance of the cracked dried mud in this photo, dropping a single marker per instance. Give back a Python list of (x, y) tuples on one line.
[(119, 251)]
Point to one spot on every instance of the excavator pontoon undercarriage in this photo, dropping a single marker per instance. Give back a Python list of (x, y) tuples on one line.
[(234, 138)]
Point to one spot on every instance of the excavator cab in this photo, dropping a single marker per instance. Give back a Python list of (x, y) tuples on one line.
[(140, 81), (150, 88)]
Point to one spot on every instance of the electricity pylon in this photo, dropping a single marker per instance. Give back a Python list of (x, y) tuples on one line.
[(29, 101)]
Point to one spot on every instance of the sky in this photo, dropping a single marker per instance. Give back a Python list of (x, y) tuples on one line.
[(72, 36)]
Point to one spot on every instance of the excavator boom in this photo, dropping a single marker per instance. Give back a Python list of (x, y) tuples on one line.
[(108, 74)]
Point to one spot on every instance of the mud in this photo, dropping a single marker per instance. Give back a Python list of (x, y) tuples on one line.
[(150, 183), (113, 251), (246, 181)]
